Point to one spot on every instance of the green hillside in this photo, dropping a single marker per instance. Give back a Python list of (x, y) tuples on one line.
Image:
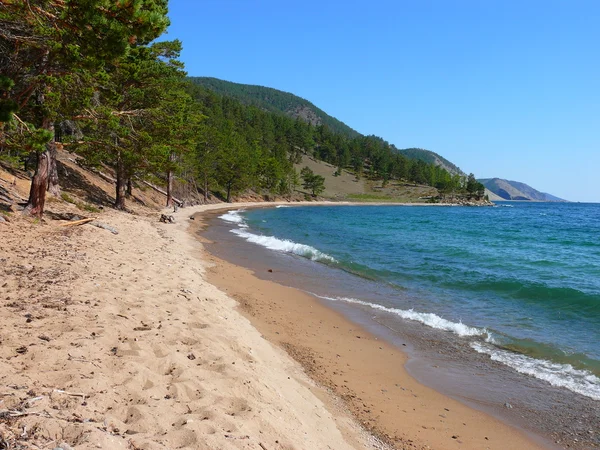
[(432, 158), (276, 101)]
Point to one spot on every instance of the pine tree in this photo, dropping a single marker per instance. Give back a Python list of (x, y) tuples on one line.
[(56, 44), (144, 119)]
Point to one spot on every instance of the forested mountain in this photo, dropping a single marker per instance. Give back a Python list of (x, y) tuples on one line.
[(263, 146), (432, 158), (515, 190), (273, 100)]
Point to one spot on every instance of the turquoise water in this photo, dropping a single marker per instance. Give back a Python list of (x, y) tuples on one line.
[(519, 282)]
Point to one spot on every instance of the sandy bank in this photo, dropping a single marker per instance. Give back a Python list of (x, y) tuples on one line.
[(118, 341)]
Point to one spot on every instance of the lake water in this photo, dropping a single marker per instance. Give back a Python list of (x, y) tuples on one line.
[(518, 283)]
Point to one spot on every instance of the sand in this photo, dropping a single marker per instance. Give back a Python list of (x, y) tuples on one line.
[(119, 341)]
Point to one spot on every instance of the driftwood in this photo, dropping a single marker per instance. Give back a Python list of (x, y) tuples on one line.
[(106, 227), (76, 222), (166, 219), (15, 413)]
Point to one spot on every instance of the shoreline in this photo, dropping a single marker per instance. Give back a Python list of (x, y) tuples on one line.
[(120, 341), (375, 385)]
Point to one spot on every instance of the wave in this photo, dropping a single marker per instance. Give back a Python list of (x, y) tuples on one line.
[(561, 375), (233, 217), (429, 319), (273, 243), (282, 206), (284, 245)]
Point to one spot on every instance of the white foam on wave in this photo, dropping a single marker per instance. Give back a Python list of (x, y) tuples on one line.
[(561, 375), (271, 242), (282, 206), (284, 245), (233, 216), (429, 319)]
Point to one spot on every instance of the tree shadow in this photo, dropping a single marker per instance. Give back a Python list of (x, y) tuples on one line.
[(16, 172), (5, 199), (63, 215), (75, 182)]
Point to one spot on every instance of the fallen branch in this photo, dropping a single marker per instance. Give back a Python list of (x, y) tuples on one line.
[(105, 227), (104, 176), (81, 359), (157, 189), (30, 401), (13, 413), (76, 222), (72, 394)]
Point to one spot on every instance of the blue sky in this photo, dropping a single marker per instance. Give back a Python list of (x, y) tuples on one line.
[(502, 88)]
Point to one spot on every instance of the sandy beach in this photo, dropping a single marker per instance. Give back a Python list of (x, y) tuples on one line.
[(117, 341), (122, 341)]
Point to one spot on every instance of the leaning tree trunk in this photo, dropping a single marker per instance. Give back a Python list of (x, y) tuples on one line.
[(121, 185), (39, 184), (41, 178)]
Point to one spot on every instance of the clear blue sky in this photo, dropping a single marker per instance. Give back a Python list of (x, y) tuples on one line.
[(502, 88)]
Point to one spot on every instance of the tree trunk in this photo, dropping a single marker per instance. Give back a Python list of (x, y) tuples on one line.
[(169, 188), (129, 189), (229, 192), (121, 185), (205, 189), (39, 183), (170, 180), (53, 186)]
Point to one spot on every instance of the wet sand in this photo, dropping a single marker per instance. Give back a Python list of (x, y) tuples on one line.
[(554, 416), (361, 368)]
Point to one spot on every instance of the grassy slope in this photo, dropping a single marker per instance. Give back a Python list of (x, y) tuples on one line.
[(347, 187)]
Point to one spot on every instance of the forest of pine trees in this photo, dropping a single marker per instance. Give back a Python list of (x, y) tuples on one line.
[(91, 76)]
